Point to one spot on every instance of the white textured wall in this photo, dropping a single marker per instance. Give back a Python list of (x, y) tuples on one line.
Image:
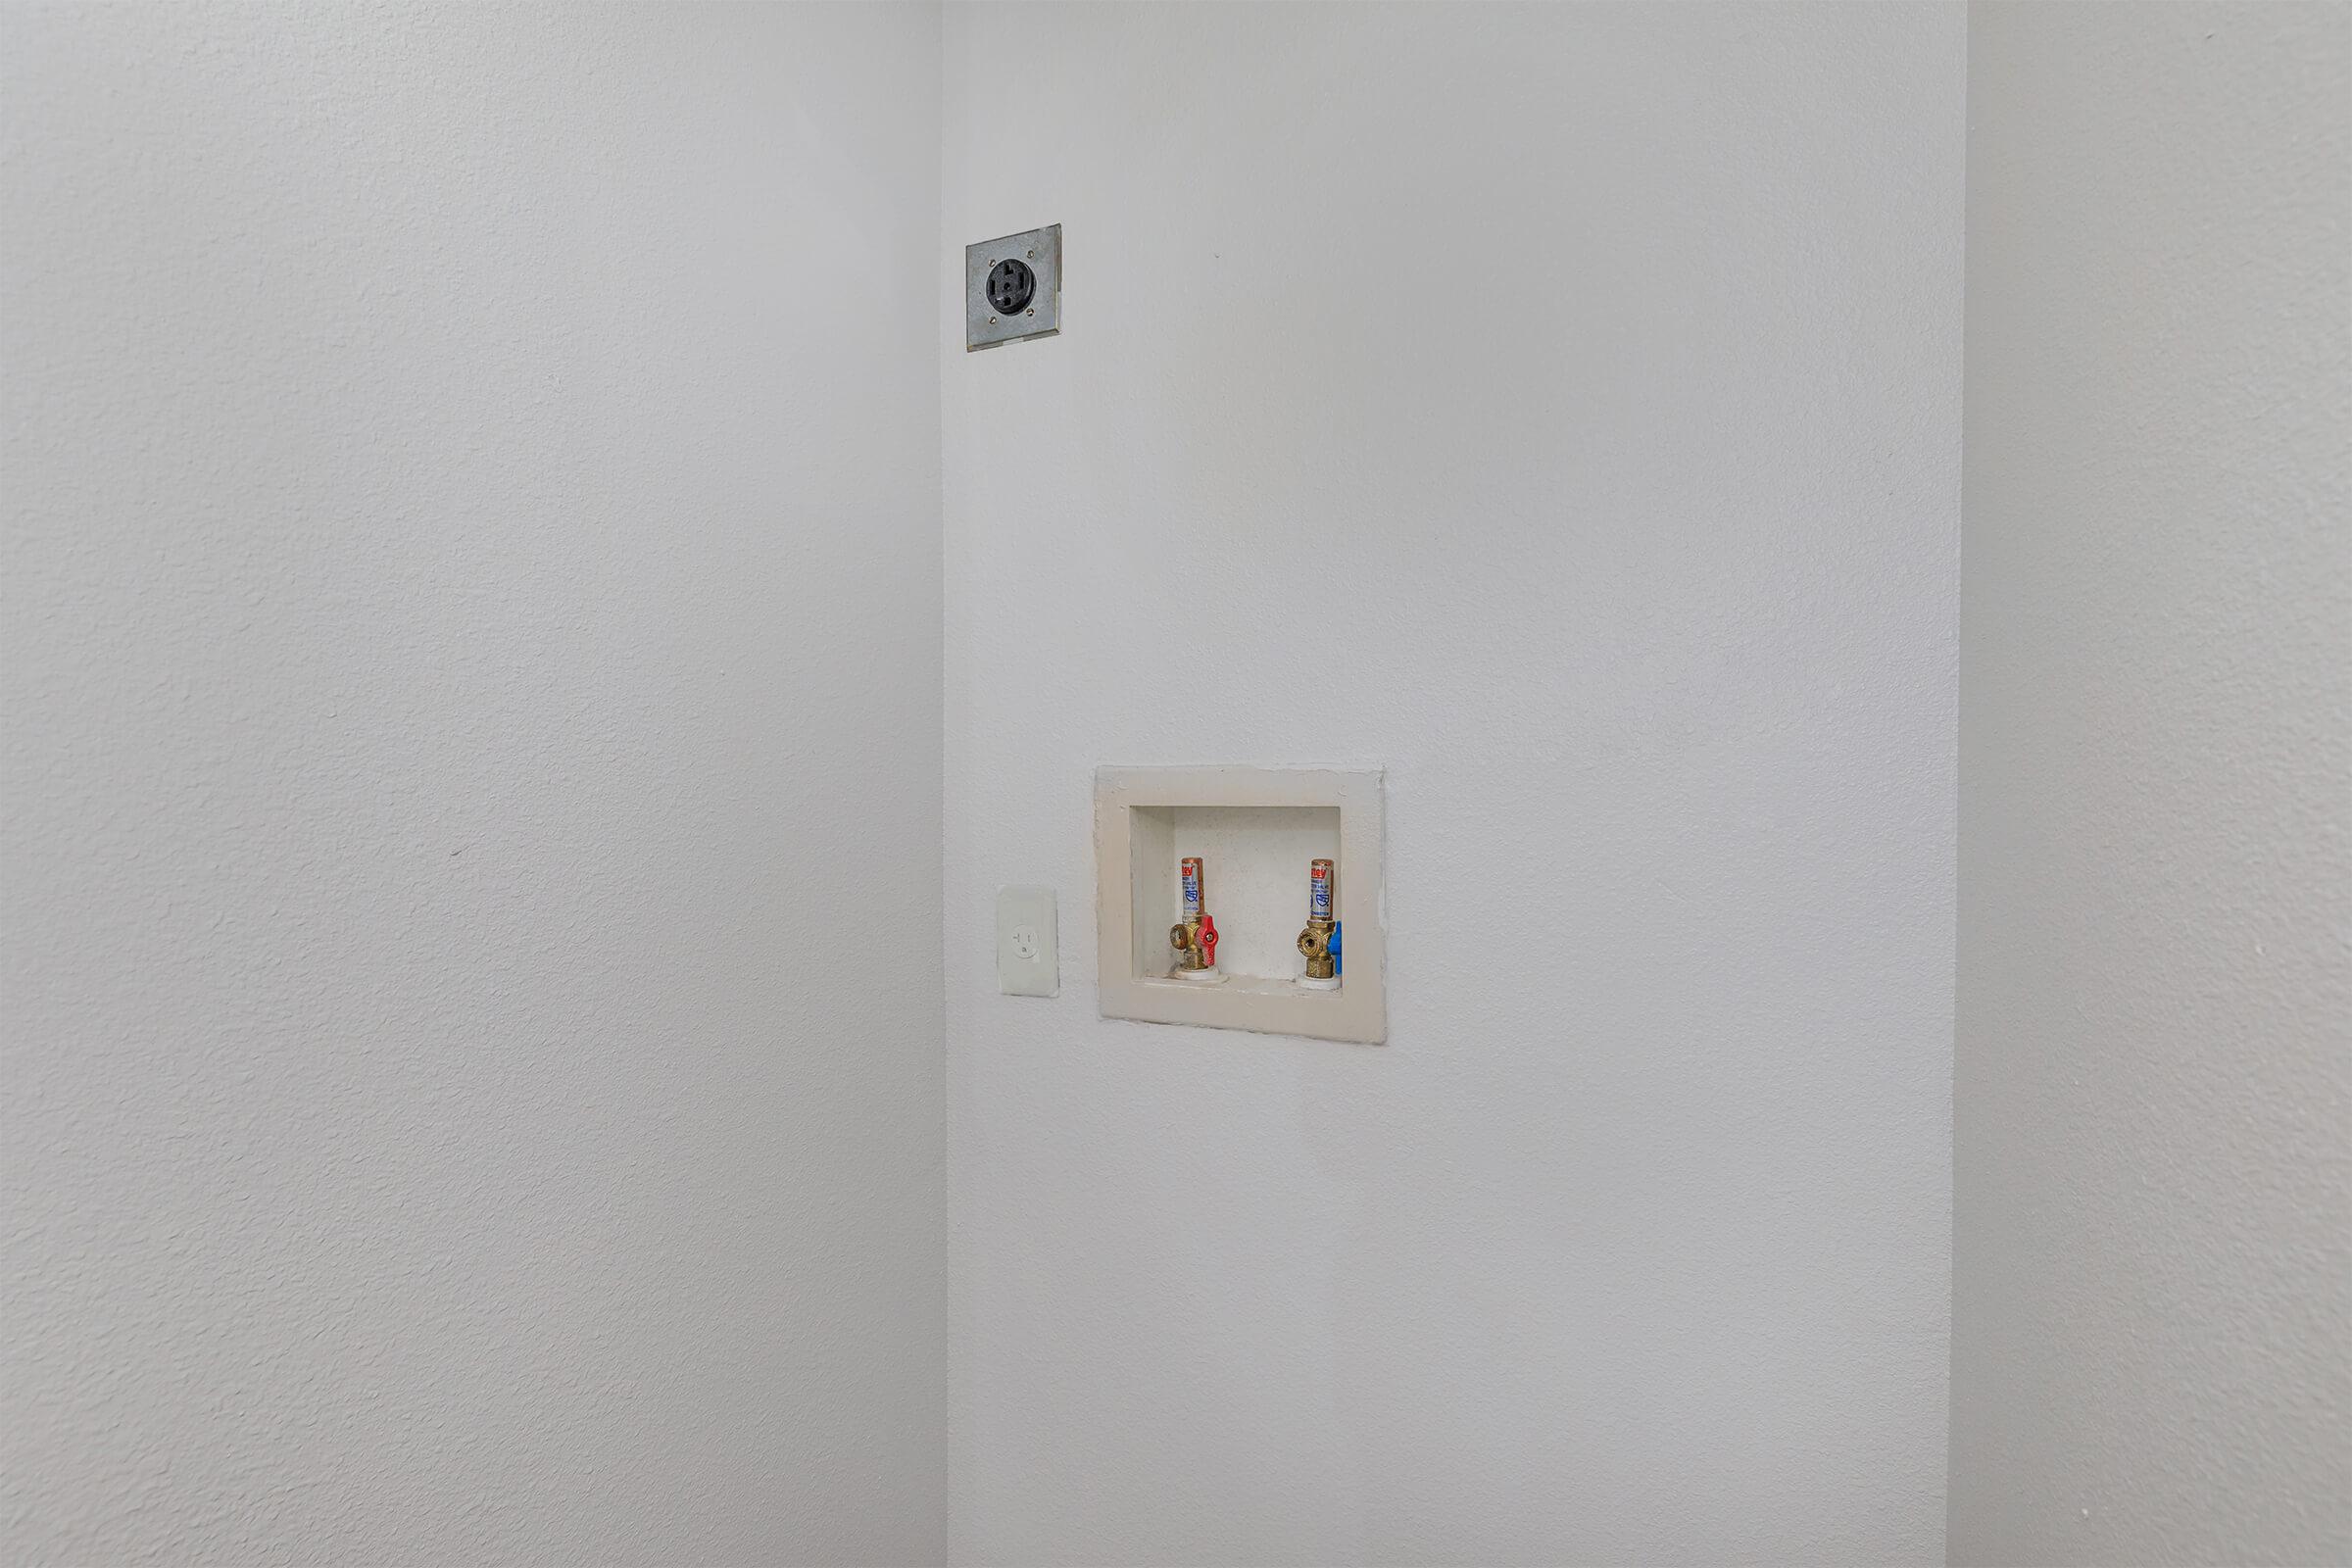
[(2152, 1357), (1634, 556), (463, 520)]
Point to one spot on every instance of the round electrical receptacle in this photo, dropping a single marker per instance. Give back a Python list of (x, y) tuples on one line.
[(1011, 285)]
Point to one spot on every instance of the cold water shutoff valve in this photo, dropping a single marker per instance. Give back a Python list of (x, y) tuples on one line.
[(1195, 936), (1320, 941)]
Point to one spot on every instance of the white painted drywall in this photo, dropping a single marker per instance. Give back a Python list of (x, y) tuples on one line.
[(471, 667), (2152, 1321), (1579, 388)]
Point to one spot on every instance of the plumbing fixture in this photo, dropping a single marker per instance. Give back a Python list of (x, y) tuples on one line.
[(1320, 940), (1195, 936)]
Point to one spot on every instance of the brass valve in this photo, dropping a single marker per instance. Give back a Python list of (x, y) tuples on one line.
[(1315, 943), (1195, 936), (1315, 940), (1196, 939)]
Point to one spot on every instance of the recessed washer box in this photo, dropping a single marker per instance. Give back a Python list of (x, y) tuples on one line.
[(1257, 830)]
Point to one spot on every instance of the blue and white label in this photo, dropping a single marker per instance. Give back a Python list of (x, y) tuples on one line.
[(1192, 888), (1318, 893)]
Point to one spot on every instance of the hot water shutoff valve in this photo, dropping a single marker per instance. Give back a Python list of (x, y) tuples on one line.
[(1195, 936)]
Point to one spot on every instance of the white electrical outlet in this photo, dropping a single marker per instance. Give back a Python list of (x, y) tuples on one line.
[(1027, 963)]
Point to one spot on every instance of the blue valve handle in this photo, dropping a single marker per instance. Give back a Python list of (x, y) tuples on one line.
[(1336, 969)]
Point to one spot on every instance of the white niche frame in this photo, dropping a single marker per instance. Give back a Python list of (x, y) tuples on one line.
[(1130, 896)]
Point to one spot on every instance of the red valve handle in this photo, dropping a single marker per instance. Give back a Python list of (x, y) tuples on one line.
[(1208, 943)]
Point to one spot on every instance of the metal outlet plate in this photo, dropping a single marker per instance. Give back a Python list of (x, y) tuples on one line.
[(1039, 314)]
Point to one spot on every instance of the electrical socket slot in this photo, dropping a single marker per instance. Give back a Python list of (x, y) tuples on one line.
[(1011, 285)]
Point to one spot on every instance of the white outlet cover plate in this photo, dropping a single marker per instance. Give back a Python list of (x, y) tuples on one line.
[(1028, 963)]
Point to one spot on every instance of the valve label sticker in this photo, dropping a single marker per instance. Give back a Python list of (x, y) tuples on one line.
[(1192, 887), (1318, 891)]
